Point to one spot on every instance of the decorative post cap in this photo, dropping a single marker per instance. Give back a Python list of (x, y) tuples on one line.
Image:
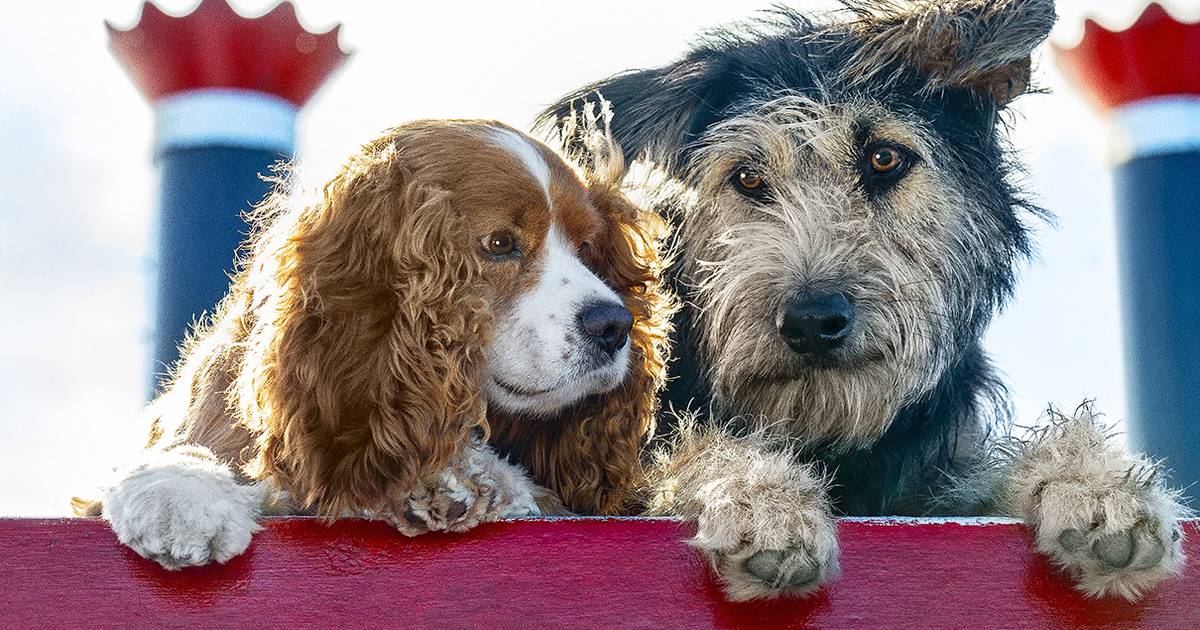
[(214, 47), (216, 78), (1146, 77)]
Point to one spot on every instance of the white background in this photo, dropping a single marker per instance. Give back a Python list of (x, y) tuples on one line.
[(77, 190)]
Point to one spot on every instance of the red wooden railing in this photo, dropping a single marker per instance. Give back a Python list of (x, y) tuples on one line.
[(572, 573)]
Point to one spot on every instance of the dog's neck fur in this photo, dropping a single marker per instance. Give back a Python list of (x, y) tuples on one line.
[(928, 444)]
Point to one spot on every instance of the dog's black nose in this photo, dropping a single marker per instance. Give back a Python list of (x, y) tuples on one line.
[(816, 322), (607, 324)]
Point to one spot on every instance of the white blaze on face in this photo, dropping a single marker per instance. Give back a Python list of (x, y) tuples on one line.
[(527, 153), (540, 359)]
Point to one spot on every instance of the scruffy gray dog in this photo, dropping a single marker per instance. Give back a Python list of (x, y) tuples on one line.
[(847, 224)]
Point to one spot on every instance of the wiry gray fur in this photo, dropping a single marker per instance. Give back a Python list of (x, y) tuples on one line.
[(900, 417)]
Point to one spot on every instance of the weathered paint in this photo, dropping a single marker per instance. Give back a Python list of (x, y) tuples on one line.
[(579, 573)]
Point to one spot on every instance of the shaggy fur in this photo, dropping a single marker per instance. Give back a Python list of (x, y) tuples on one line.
[(1098, 512), (908, 403), (765, 510), (343, 373)]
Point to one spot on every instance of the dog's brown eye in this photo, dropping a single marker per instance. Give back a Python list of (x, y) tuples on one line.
[(749, 182), (882, 165), (499, 243), (886, 159)]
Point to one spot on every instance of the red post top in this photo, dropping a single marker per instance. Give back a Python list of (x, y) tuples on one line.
[(214, 47), (573, 573), (1157, 56)]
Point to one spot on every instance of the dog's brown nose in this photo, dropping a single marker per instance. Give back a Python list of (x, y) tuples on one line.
[(607, 324), (816, 322)]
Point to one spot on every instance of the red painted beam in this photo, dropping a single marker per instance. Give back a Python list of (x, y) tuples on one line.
[(586, 573)]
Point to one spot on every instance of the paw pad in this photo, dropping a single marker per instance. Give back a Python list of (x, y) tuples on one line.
[(1115, 550), (1128, 548), (783, 569)]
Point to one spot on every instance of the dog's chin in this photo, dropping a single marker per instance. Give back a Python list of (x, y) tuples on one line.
[(515, 394), (842, 401), (789, 366)]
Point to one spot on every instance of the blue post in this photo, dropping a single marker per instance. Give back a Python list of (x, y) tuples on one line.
[(226, 91), (1158, 199), (204, 192), (213, 148), (1144, 78)]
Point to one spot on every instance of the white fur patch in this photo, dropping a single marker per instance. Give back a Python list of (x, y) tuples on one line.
[(181, 510), (538, 346), (528, 154)]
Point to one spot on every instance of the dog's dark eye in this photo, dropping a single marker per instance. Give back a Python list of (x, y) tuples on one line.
[(885, 159), (749, 182), (883, 164), (499, 243)]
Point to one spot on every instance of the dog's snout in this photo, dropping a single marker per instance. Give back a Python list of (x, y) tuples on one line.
[(607, 324), (816, 322)]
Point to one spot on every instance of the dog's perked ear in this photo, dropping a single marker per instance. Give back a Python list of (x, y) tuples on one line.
[(657, 112), (983, 45), (371, 345)]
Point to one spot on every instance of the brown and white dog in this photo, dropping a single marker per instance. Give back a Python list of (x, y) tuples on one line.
[(457, 294)]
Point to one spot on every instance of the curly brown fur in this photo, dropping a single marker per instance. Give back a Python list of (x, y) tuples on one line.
[(347, 363)]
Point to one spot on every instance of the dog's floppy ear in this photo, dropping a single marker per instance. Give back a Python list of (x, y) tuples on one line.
[(984, 45), (368, 352), (656, 112)]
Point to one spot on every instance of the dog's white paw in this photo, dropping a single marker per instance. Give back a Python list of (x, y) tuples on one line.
[(768, 534), (1100, 513), (1121, 538), (477, 487), (180, 510)]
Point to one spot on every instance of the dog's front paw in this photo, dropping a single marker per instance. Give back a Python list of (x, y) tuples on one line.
[(1122, 539), (773, 535), (476, 488), (181, 511), (1097, 511)]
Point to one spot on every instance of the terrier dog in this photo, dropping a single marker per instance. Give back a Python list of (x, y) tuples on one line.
[(847, 224)]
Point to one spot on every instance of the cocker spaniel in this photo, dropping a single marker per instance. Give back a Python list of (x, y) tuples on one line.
[(463, 327)]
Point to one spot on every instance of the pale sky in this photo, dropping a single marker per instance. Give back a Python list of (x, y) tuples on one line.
[(78, 189)]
